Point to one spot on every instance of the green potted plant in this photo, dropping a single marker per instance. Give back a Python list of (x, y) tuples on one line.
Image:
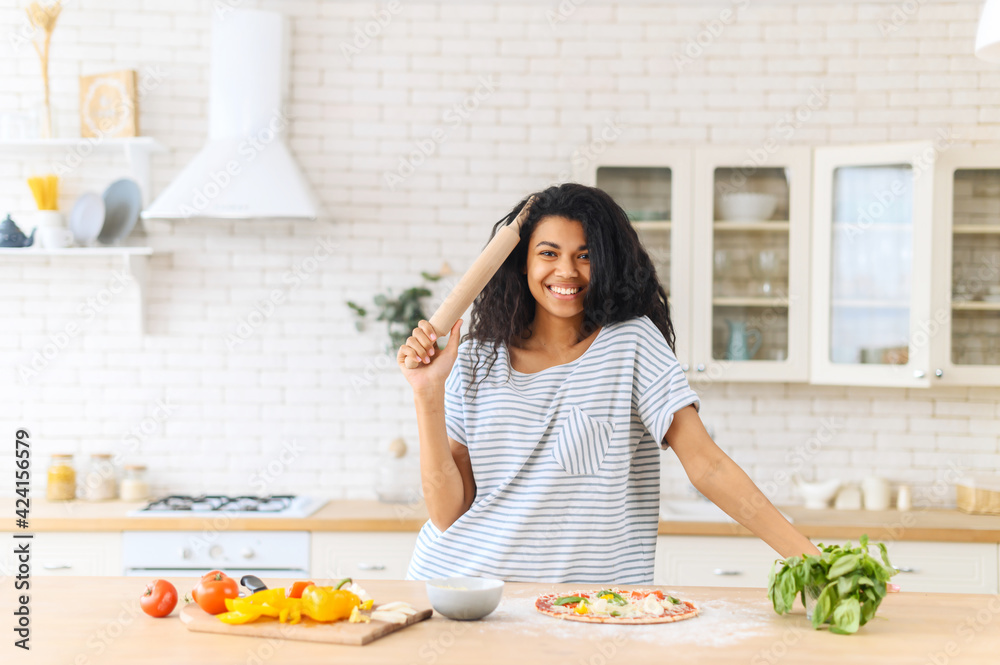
[(402, 313), (841, 586)]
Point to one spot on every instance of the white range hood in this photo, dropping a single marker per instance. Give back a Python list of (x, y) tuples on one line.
[(245, 171)]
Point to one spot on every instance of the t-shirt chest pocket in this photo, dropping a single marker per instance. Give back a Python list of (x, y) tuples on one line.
[(582, 443)]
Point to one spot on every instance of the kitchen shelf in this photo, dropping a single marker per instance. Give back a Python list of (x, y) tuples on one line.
[(873, 304), (750, 302), (769, 227), (652, 225), (976, 306), (975, 229), (134, 262), (137, 151)]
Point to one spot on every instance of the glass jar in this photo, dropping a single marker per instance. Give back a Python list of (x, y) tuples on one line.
[(134, 486), (100, 482), (61, 479)]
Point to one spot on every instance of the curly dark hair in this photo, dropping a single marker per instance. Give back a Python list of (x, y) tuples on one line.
[(623, 282)]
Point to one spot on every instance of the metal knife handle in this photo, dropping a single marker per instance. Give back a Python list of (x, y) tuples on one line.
[(252, 583)]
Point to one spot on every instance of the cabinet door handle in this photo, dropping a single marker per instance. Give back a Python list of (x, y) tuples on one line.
[(371, 566), (724, 571), (907, 569), (939, 373), (700, 367), (56, 566), (685, 367), (919, 373)]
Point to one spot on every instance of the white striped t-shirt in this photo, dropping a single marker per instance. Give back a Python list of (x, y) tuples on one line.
[(566, 462)]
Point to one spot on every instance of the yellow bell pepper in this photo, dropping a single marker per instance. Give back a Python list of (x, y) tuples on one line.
[(328, 603), (238, 617), (358, 617), (291, 612), (581, 609), (367, 605)]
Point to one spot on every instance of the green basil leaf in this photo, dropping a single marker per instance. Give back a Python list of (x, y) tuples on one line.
[(566, 600), (673, 600), (843, 565), (847, 615)]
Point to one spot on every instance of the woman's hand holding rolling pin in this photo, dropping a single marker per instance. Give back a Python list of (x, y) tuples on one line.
[(434, 364)]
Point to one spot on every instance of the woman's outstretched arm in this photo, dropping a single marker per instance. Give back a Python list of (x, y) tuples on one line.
[(726, 485)]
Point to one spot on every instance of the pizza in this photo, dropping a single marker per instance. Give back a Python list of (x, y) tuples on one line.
[(614, 605)]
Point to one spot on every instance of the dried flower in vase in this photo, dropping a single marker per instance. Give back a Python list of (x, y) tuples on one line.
[(43, 17)]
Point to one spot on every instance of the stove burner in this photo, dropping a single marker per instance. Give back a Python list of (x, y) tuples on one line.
[(222, 503)]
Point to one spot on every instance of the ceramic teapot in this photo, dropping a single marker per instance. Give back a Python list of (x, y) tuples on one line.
[(11, 236)]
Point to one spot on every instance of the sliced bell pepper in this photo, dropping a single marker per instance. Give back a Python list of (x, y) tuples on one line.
[(239, 617), (295, 591)]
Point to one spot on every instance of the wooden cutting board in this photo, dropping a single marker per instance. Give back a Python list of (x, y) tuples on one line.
[(340, 632)]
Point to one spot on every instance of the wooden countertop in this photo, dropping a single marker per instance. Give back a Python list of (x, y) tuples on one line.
[(97, 621), (359, 515)]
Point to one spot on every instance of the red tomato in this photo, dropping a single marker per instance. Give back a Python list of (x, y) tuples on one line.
[(295, 591), (212, 591), (159, 599)]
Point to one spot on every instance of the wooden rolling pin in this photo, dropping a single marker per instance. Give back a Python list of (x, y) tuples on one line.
[(475, 279)]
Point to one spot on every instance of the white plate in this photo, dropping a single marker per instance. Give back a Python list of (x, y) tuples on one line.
[(87, 218), (122, 202)]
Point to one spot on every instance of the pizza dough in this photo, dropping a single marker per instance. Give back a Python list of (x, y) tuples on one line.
[(614, 605)]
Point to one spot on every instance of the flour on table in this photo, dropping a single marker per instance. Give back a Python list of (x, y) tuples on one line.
[(718, 623)]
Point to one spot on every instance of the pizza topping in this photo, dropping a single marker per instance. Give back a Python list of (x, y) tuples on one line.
[(565, 600), (652, 606), (611, 596), (673, 600)]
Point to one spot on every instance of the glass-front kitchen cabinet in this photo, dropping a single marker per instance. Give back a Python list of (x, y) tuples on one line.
[(871, 264), (654, 188), (750, 274), (729, 235), (964, 326)]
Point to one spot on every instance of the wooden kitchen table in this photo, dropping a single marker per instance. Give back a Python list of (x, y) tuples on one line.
[(90, 620)]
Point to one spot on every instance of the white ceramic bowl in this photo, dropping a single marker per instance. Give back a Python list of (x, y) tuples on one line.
[(464, 598), (747, 206)]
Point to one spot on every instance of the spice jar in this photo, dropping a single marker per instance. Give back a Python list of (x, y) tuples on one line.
[(134, 486), (61, 479), (100, 483)]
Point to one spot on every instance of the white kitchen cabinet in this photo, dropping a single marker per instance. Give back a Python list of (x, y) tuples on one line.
[(750, 271), (871, 258), (712, 561), (964, 328), (945, 567), (362, 555), (76, 553), (654, 186), (737, 277)]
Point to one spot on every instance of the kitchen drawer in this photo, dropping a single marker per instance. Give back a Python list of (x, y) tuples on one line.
[(712, 561), (945, 567), (377, 555), (77, 553)]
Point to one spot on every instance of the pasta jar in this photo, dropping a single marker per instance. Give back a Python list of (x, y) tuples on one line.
[(134, 486), (61, 479), (100, 483)]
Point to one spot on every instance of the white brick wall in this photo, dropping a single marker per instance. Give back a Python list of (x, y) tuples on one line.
[(304, 376)]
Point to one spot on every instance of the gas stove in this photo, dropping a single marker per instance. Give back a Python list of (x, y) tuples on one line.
[(277, 505)]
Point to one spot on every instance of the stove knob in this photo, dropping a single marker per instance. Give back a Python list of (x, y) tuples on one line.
[(215, 552), (247, 553), (185, 553)]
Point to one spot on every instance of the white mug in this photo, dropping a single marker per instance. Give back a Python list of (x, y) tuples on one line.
[(53, 237), (876, 493)]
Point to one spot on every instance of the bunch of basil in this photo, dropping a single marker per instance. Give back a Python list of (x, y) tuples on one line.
[(847, 583)]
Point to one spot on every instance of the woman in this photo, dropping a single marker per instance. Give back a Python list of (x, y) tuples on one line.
[(540, 432)]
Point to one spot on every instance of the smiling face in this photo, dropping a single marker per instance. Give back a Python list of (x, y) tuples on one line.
[(558, 267)]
